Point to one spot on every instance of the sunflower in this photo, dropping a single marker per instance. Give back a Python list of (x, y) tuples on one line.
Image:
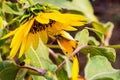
[(38, 23)]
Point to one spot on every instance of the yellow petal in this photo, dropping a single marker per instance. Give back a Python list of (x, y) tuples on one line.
[(16, 39), (52, 30), (55, 16), (64, 18), (21, 32), (35, 41), (15, 44), (27, 29), (27, 61), (27, 26), (14, 50), (60, 26), (75, 69), (76, 23), (23, 45), (41, 19), (75, 17), (43, 35), (28, 42), (69, 28), (9, 34)]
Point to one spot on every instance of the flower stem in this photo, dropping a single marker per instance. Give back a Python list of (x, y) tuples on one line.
[(41, 72), (70, 56), (114, 46)]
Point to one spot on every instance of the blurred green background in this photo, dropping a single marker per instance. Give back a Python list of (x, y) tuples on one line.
[(109, 10)]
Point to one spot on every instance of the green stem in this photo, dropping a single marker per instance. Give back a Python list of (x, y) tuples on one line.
[(114, 46), (38, 71), (53, 46), (31, 2), (13, 20), (2, 11)]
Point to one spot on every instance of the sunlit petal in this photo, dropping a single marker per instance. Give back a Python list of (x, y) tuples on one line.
[(76, 23), (41, 19), (35, 41), (55, 16), (59, 26), (69, 28), (18, 36), (74, 17), (23, 45), (28, 26), (43, 35), (29, 39), (64, 18), (14, 50), (16, 40)]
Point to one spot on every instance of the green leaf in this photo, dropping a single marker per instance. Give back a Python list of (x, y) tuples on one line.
[(82, 37), (8, 73), (42, 51), (2, 33), (8, 70), (98, 33), (36, 77), (68, 67), (9, 10), (21, 74), (48, 65), (93, 41), (103, 51), (62, 75), (35, 55), (41, 56), (83, 6), (40, 59), (6, 64), (115, 75), (99, 68), (104, 28)]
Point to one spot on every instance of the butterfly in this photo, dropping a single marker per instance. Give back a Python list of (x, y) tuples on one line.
[(66, 42)]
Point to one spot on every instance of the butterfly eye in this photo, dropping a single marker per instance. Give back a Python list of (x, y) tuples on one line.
[(66, 52)]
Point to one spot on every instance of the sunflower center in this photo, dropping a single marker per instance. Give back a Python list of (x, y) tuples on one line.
[(36, 27)]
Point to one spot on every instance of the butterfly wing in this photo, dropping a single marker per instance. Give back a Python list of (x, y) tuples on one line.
[(66, 42)]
